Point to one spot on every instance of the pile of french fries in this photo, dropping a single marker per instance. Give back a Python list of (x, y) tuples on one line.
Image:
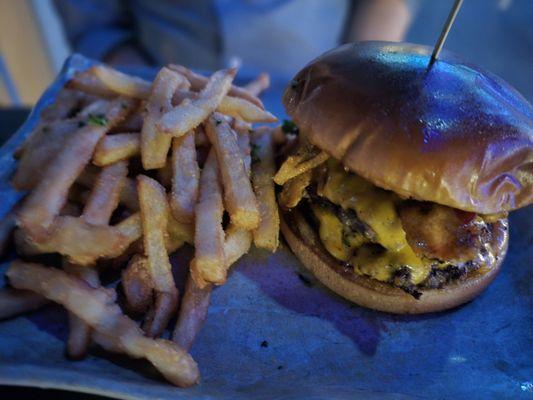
[(121, 172)]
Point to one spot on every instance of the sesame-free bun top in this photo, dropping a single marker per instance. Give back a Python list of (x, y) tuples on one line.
[(451, 134)]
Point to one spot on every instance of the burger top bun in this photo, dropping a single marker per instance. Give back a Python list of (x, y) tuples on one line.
[(451, 134)]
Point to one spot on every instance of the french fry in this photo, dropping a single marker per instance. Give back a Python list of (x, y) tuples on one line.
[(209, 262), (185, 178), (79, 332), (243, 141), (240, 108), (103, 200), (46, 200), (80, 242), (296, 164), (200, 138), (266, 235), (232, 106), (239, 198), (128, 195), (193, 310), (294, 190), (87, 81), (179, 230), (195, 302), (44, 147), (191, 113), (113, 330), (113, 148), (105, 196), (120, 83), (14, 302), (236, 244), (154, 217), (198, 82), (258, 85), (131, 227), (155, 144), (137, 285)]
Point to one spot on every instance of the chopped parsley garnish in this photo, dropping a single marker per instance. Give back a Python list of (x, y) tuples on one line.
[(289, 127), (254, 153), (99, 120)]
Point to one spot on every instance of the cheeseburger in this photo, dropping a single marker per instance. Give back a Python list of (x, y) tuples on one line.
[(396, 191)]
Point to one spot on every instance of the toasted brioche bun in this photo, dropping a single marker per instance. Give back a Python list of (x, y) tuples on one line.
[(370, 293), (453, 134)]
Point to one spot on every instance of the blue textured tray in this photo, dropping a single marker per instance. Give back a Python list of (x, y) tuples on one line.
[(272, 334)]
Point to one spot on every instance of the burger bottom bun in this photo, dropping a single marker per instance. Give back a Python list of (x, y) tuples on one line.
[(370, 293)]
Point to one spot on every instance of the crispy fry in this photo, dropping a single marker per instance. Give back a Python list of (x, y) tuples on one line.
[(14, 302), (68, 101), (102, 201), (209, 260), (128, 195), (86, 81), (239, 198), (155, 144), (191, 113), (296, 164), (105, 195), (50, 195), (180, 231), (137, 285), (113, 148), (121, 84), (266, 235), (243, 109), (80, 242), (44, 147), (243, 141), (193, 310), (185, 178), (113, 330), (195, 302), (232, 106), (154, 217), (236, 244), (198, 82), (79, 332), (200, 138), (131, 227), (294, 190), (258, 85)]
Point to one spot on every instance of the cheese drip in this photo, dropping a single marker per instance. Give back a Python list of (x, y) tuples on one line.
[(375, 207)]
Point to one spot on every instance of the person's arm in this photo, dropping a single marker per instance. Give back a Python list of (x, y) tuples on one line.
[(380, 20)]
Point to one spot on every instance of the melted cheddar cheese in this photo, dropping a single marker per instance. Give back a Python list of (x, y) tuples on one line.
[(376, 208)]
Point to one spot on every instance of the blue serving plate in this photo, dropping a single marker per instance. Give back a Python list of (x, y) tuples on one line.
[(274, 332)]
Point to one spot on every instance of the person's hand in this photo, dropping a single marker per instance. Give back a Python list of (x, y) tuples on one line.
[(380, 20)]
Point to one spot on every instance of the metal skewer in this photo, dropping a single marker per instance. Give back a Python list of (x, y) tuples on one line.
[(445, 30)]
